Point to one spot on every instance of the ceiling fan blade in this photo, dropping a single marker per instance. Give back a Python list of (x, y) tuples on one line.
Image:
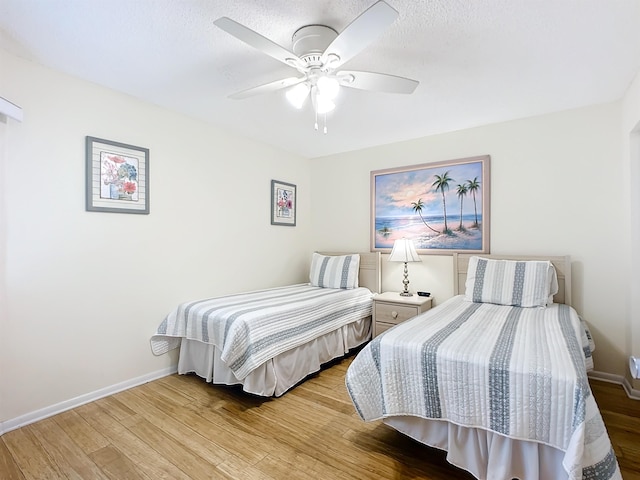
[(377, 82), (360, 33), (267, 87), (255, 40)]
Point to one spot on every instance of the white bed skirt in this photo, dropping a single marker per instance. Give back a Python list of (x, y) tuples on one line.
[(276, 376), (486, 455)]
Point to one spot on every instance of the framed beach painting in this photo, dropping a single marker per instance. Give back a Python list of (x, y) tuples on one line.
[(117, 177), (443, 207), (283, 203)]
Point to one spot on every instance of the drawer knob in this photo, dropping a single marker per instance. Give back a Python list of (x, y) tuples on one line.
[(394, 314)]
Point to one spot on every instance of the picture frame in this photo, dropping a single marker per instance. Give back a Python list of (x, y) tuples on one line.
[(444, 207), (283, 203), (117, 177)]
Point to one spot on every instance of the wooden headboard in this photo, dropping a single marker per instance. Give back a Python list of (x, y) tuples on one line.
[(370, 274), (562, 265)]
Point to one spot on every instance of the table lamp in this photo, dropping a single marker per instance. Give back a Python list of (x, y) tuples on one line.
[(404, 251)]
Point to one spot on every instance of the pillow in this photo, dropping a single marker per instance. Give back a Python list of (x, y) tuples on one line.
[(529, 283), (334, 271)]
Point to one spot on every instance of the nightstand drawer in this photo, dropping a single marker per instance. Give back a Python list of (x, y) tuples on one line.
[(382, 327), (394, 313)]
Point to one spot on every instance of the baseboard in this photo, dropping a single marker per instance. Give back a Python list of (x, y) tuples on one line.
[(33, 417), (631, 392), (618, 379)]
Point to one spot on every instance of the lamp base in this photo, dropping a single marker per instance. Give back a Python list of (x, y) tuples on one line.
[(405, 282)]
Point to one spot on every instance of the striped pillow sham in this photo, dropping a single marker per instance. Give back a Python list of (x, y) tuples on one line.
[(530, 283), (334, 271)]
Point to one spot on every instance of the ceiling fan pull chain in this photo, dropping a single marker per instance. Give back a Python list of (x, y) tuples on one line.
[(316, 124), (325, 123)]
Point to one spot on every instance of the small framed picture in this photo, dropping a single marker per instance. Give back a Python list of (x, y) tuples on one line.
[(117, 177), (283, 203)]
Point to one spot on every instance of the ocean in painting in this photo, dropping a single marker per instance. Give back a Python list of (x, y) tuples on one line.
[(388, 229)]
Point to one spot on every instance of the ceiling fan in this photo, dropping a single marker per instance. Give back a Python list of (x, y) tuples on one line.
[(318, 52)]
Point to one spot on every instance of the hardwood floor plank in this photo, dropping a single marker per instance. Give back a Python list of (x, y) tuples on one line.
[(232, 470), (405, 453), (190, 438), (8, 467), (194, 466), (31, 458), (116, 465), (71, 460), (137, 451), (163, 390), (306, 468), (247, 444), (226, 435), (86, 437), (319, 394), (117, 409), (611, 397)]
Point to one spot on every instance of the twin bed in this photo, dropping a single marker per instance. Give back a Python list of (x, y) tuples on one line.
[(270, 340), (496, 375)]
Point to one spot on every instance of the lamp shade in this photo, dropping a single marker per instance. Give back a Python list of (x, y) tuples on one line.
[(298, 94), (321, 103), (328, 87), (404, 251)]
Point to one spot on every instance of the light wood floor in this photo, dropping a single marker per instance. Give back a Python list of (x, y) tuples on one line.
[(179, 427)]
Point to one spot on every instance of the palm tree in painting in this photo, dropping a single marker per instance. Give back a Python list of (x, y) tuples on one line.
[(461, 191), (417, 207), (473, 186), (442, 183), (385, 231)]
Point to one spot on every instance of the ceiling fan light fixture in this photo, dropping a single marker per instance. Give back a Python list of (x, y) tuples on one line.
[(328, 87), (323, 104), (298, 94), (318, 52)]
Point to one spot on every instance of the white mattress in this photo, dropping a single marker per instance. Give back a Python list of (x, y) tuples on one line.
[(275, 376)]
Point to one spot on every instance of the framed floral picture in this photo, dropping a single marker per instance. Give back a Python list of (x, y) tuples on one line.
[(283, 203), (117, 177), (443, 207)]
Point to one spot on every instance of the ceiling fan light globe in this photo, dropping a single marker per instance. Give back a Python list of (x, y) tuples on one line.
[(297, 95), (328, 87), (324, 104)]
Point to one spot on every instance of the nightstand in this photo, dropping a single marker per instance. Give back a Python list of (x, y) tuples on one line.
[(390, 308)]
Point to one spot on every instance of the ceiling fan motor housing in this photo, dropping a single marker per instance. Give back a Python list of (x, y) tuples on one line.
[(310, 42)]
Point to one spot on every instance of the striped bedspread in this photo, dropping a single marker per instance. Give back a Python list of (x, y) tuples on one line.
[(251, 328), (520, 372)]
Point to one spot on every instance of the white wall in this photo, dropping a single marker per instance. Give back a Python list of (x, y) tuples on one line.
[(86, 290), (631, 155), (4, 341), (556, 188)]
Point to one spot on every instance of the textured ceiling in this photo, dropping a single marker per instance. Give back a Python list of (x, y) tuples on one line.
[(477, 61)]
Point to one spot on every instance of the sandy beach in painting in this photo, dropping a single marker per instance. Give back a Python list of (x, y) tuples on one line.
[(389, 229)]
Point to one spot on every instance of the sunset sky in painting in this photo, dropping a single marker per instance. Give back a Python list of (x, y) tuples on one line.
[(395, 191)]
